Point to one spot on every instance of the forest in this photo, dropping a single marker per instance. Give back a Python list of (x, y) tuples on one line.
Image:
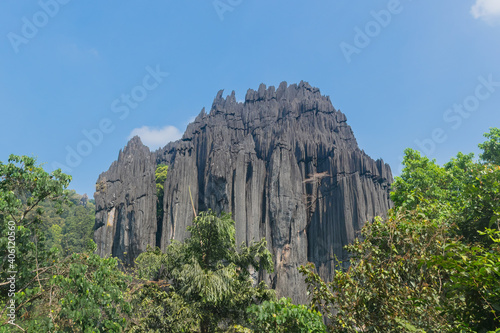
[(432, 265)]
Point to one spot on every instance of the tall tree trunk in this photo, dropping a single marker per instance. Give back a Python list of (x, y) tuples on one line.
[(205, 325)]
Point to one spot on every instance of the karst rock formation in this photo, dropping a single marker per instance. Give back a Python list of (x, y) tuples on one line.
[(284, 162)]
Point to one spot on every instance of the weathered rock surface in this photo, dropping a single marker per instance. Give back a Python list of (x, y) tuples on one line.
[(126, 204), (284, 163)]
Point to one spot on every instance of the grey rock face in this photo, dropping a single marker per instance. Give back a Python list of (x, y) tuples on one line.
[(126, 204), (284, 163)]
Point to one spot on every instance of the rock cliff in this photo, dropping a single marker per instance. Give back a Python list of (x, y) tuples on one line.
[(284, 163)]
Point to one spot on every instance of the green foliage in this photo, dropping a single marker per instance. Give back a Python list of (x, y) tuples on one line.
[(23, 186), (482, 208), (160, 177), (474, 278), (283, 316), (160, 310), (238, 329), (78, 227), (422, 180), (435, 189), (491, 148), (79, 293), (70, 229), (464, 193), (388, 286), (90, 294), (208, 273)]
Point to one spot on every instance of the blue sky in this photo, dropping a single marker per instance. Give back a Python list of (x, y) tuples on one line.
[(79, 77)]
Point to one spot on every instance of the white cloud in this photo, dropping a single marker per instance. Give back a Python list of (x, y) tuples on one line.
[(487, 10), (156, 137)]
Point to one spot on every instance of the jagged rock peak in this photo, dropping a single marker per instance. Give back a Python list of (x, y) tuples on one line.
[(302, 90), (284, 92), (266, 106), (135, 144), (200, 116), (284, 162)]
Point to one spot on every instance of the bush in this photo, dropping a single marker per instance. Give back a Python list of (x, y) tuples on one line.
[(283, 316)]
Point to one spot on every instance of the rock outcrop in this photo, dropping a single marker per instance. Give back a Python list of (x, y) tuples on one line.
[(126, 204), (284, 163)]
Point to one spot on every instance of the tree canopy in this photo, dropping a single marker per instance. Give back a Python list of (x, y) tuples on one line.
[(284, 316)]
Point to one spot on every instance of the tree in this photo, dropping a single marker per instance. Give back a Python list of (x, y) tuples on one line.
[(389, 285), (283, 316), (470, 258), (157, 309), (209, 273), (79, 293), (160, 177), (436, 189), (23, 186), (90, 294), (482, 207), (473, 277), (491, 148), (78, 228), (70, 228)]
